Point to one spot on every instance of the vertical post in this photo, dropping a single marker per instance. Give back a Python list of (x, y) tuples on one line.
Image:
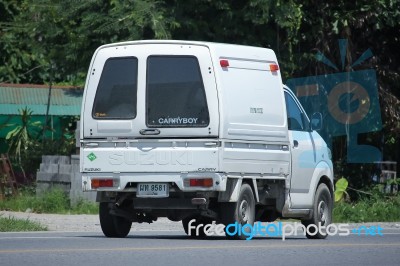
[(46, 122)]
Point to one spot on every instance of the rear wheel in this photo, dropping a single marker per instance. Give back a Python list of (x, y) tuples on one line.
[(111, 225), (322, 214), (241, 212)]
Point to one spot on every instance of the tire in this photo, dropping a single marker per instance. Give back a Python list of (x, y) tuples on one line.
[(241, 212), (199, 220), (113, 226), (322, 213)]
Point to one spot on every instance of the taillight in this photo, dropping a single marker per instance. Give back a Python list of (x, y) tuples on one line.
[(100, 183), (200, 182)]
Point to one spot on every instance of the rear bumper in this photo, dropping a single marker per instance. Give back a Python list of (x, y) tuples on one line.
[(126, 182)]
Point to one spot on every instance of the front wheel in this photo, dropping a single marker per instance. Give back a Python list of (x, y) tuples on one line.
[(322, 214), (111, 225)]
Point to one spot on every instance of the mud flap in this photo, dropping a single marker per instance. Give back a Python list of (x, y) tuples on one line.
[(231, 194)]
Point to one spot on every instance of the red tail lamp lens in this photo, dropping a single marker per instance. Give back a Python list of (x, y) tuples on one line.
[(98, 183), (201, 182)]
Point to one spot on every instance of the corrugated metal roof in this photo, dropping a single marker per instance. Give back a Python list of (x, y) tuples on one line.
[(64, 101)]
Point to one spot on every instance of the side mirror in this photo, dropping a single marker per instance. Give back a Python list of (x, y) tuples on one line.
[(316, 121)]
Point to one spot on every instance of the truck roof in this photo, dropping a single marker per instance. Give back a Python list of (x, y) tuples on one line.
[(220, 49), (208, 44)]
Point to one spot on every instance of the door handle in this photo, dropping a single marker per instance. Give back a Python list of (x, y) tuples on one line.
[(92, 145), (148, 131), (295, 144), (211, 144)]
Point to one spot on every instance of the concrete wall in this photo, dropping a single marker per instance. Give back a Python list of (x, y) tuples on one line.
[(62, 172)]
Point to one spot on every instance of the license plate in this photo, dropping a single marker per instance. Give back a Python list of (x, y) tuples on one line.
[(152, 190)]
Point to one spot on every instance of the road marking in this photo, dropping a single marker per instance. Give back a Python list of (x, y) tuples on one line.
[(13, 251)]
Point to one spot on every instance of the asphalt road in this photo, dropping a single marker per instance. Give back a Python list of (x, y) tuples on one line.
[(175, 248)]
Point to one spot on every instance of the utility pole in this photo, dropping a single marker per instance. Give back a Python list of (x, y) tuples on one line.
[(46, 122)]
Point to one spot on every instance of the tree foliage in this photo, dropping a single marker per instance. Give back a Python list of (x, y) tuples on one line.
[(39, 35), (43, 39)]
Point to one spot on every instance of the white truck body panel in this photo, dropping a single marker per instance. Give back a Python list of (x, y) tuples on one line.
[(240, 132), (242, 118)]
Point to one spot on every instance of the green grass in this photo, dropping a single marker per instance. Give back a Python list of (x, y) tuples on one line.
[(12, 224), (378, 208), (54, 201), (85, 207)]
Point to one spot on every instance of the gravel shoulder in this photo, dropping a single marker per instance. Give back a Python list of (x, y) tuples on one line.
[(86, 223), (91, 223)]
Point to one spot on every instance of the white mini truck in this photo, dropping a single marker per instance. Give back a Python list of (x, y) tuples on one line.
[(196, 130)]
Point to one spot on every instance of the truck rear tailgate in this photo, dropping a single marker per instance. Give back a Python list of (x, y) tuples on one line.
[(150, 156)]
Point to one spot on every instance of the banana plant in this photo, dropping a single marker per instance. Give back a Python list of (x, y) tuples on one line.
[(22, 134), (340, 189)]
